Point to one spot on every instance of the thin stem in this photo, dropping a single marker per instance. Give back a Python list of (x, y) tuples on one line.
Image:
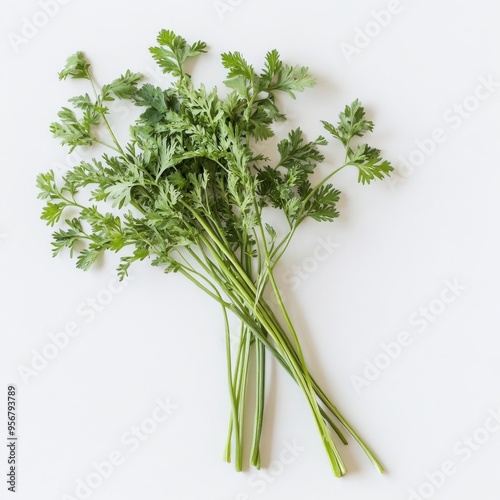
[(237, 308), (106, 123), (260, 367), (336, 460), (315, 189), (102, 143), (302, 378), (236, 416), (270, 325)]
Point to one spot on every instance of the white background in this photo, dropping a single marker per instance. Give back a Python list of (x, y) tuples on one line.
[(398, 244)]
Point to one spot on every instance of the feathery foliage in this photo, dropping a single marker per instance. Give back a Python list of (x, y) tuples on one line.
[(189, 193)]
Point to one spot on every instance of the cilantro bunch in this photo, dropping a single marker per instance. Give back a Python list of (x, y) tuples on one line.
[(189, 193)]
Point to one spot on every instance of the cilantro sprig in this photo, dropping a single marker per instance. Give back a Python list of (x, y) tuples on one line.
[(189, 193)]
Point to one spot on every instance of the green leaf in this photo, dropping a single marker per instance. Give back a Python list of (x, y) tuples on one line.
[(272, 234), (292, 79), (367, 160), (82, 175), (197, 48), (240, 84), (52, 212), (83, 102), (73, 131), (120, 193), (295, 151), (168, 197), (369, 163), (126, 262), (292, 207), (76, 67), (174, 51), (87, 257), (123, 87), (259, 130), (69, 238), (322, 205), (272, 67), (47, 186), (352, 123), (237, 66), (149, 95)]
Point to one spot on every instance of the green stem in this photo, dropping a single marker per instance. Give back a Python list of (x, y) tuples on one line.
[(335, 458), (297, 369), (290, 356), (237, 308), (106, 123), (236, 415), (260, 366)]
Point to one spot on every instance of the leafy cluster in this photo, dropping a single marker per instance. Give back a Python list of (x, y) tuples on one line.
[(366, 159), (189, 192), (190, 149)]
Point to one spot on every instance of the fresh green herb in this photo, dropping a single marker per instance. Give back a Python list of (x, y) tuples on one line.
[(190, 193)]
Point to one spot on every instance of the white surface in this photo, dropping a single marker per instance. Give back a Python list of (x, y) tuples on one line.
[(160, 338)]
